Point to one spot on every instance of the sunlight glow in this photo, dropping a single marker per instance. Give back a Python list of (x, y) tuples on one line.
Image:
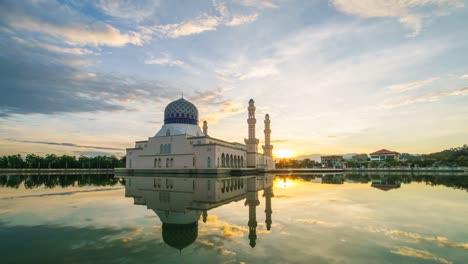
[(284, 183), (283, 153)]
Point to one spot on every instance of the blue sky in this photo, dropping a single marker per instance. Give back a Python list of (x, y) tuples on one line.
[(336, 76)]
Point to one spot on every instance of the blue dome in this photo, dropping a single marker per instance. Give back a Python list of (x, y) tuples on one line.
[(181, 112)]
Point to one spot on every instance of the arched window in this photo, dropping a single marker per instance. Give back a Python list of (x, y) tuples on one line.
[(155, 163), (160, 149), (231, 161), (242, 162), (172, 163), (167, 162), (209, 162), (223, 161), (217, 163), (159, 163)]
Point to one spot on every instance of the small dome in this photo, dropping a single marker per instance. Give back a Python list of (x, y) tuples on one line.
[(251, 101), (181, 112)]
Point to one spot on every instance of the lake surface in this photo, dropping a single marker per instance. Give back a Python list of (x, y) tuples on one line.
[(333, 218)]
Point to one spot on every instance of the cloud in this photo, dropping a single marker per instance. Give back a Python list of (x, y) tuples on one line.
[(215, 104), (96, 153), (67, 25), (430, 97), (403, 87), (240, 20), (53, 48), (420, 254), (279, 141), (400, 234), (189, 27), (202, 23), (465, 76), (164, 60), (128, 9), (408, 12), (257, 3), (47, 83), (62, 144)]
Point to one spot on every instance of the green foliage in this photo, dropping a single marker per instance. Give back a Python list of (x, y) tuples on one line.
[(53, 161), (450, 157), (292, 163)]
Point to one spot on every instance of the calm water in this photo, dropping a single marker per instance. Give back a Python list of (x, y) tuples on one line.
[(270, 219)]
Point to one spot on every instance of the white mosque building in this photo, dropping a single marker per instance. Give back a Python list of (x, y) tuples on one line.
[(180, 144)]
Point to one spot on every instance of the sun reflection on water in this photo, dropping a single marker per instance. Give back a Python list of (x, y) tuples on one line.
[(284, 183)]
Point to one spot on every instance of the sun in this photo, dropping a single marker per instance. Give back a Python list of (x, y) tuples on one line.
[(283, 153)]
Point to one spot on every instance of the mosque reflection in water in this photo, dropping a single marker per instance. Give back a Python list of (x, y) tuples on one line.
[(179, 202)]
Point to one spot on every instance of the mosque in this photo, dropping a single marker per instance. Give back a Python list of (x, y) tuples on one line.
[(180, 144)]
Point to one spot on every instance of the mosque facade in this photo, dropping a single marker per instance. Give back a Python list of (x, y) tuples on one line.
[(182, 144)]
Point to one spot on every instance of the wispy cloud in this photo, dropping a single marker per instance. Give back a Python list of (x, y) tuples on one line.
[(54, 48), (430, 97), (240, 20), (79, 33), (408, 12), (415, 237), (257, 3), (464, 76), (279, 141), (403, 87), (165, 60), (62, 144), (36, 80), (214, 105), (202, 23), (420, 254), (125, 9)]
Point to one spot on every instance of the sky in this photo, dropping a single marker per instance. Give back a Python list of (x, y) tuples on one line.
[(335, 76)]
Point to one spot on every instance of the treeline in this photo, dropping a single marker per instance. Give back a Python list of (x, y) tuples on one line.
[(454, 157), (456, 182), (292, 163), (52, 181), (52, 161), (447, 158)]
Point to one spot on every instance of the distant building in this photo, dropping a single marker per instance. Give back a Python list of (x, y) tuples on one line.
[(386, 184), (384, 155), (333, 161)]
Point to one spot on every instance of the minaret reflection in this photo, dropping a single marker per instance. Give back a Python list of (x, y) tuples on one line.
[(268, 194), (252, 201), (181, 202)]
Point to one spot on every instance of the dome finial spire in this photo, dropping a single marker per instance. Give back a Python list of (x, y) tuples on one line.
[(182, 95)]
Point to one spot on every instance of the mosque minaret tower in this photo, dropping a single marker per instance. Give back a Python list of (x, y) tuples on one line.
[(251, 142), (205, 128), (267, 148)]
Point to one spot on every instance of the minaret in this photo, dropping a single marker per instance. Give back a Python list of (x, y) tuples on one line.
[(205, 128), (251, 142), (205, 216), (268, 193), (267, 148), (252, 201)]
